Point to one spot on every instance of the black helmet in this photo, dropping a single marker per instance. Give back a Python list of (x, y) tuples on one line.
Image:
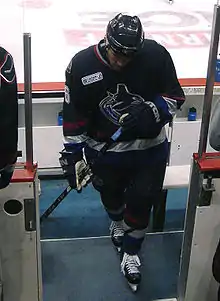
[(125, 34)]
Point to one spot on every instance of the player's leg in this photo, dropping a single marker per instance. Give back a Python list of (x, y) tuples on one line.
[(110, 181), (140, 196)]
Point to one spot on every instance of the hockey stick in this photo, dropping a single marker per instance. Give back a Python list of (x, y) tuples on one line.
[(67, 190)]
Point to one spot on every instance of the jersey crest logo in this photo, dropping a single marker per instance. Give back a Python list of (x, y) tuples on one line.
[(114, 105), (92, 78)]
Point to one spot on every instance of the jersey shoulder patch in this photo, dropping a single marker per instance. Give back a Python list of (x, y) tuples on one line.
[(92, 78)]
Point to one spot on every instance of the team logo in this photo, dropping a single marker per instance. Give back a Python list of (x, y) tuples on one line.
[(114, 105)]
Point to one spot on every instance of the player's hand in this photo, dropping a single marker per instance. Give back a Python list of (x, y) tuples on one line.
[(83, 174), (144, 118), (130, 119), (75, 169)]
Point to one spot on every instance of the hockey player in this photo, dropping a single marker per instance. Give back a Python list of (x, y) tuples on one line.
[(8, 117), (214, 134), (216, 267), (130, 82), (214, 140)]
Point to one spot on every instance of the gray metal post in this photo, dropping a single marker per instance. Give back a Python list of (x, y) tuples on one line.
[(196, 179), (210, 81), (28, 100)]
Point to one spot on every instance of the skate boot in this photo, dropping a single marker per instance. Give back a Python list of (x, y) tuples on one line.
[(130, 268), (117, 234)]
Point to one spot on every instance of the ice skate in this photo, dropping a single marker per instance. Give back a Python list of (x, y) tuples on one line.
[(117, 234), (130, 268)]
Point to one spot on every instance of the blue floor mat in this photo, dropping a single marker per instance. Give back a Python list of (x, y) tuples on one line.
[(89, 270), (82, 214)]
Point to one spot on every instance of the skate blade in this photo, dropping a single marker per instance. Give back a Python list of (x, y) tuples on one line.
[(133, 287)]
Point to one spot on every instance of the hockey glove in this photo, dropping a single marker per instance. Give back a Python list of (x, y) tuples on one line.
[(75, 169), (5, 175), (144, 118)]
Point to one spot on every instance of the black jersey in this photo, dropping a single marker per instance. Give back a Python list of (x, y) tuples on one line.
[(214, 132), (90, 81), (8, 110)]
